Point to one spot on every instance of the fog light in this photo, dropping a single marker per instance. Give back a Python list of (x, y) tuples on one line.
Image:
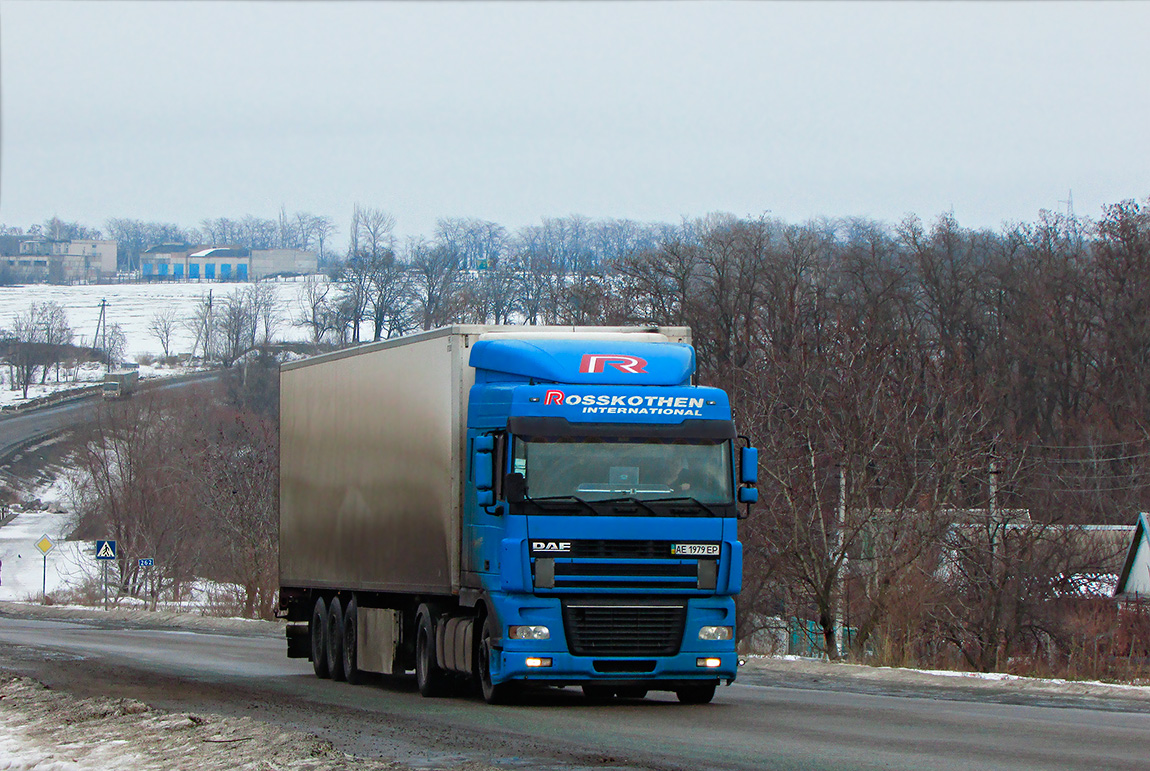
[(716, 632), (708, 663), (529, 633), (535, 661)]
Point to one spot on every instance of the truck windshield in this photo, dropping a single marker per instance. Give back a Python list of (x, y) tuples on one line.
[(597, 470)]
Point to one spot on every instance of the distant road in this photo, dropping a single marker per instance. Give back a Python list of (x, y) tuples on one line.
[(18, 429)]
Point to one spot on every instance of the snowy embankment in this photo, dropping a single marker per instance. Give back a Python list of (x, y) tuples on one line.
[(992, 684), (45, 730)]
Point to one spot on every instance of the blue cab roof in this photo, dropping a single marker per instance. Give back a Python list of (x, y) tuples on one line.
[(590, 362)]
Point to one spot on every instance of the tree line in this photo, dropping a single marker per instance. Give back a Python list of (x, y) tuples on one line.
[(939, 408)]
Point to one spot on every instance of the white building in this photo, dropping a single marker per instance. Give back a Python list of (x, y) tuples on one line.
[(181, 262), (37, 258)]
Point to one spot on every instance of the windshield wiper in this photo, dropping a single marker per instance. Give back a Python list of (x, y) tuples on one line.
[(631, 499), (686, 499), (561, 499)]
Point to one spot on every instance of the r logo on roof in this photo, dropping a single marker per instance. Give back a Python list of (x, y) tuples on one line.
[(594, 363)]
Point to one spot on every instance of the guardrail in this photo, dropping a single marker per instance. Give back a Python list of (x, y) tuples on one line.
[(52, 399)]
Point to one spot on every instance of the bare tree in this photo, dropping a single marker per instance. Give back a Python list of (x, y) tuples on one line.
[(236, 323), (236, 459), (133, 480), (323, 228), (36, 341), (389, 296), (435, 283), (265, 306), (163, 325), (315, 310)]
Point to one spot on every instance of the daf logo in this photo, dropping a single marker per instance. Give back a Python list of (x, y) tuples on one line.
[(552, 546)]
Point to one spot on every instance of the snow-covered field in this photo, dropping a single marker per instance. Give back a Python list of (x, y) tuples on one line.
[(132, 306)]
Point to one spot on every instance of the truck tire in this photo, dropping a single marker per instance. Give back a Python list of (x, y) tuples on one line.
[(335, 639), (317, 631), (428, 676), (502, 693), (696, 694), (351, 669)]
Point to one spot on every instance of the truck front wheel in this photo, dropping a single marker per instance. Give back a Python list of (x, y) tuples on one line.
[(503, 693), (428, 676)]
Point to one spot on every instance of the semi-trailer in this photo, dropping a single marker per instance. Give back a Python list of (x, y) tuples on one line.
[(513, 506)]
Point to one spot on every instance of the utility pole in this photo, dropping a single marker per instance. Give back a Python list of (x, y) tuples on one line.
[(208, 329), (102, 333), (842, 574)]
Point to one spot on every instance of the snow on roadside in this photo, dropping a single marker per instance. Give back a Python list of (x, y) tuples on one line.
[(46, 730), (22, 565), (988, 681)]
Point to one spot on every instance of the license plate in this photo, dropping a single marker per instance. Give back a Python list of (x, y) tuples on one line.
[(695, 549)]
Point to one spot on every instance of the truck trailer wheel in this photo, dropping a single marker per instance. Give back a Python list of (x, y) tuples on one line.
[(351, 669), (335, 639), (696, 694), (428, 676), (317, 630), (503, 693)]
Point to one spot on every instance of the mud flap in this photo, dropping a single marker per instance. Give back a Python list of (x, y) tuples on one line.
[(298, 642)]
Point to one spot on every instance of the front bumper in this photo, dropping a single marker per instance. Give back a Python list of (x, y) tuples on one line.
[(664, 672), (510, 657)]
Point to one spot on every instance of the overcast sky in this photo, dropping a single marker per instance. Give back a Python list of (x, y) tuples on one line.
[(516, 111)]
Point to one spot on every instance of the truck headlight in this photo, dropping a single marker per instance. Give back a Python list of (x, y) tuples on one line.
[(716, 632), (529, 633)]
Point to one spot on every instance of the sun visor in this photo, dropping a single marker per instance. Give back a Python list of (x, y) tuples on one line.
[(561, 428)]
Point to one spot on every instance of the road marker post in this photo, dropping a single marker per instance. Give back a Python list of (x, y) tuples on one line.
[(105, 552), (45, 545), (146, 564)]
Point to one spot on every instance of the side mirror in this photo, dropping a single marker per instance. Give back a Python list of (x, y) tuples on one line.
[(483, 470), (515, 487), (749, 465), (748, 495)]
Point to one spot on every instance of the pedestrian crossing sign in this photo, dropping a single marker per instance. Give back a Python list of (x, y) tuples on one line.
[(105, 550), (45, 544)]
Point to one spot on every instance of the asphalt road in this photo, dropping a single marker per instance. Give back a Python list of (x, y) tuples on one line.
[(20, 428), (793, 725)]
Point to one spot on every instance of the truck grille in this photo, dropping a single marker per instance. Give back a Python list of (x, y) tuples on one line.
[(617, 549), (623, 628), (616, 575)]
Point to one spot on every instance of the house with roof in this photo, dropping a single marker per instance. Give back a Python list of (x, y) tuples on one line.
[(1134, 579)]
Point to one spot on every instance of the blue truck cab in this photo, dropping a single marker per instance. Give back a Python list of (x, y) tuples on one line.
[(602, 518)]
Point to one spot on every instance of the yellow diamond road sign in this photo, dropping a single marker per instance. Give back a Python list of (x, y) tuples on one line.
[(45, 544)]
